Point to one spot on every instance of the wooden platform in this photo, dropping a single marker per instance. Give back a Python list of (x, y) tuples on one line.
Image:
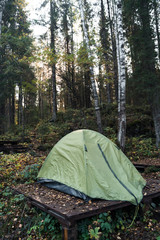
[(68, 209), (141, 167), (12, 146)]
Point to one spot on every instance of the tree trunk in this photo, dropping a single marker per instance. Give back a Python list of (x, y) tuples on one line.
[(13, 107), (115, 69), (100, 83), (121, 76), (87, 90), (20, 105), (74, 100), (104, 36), (157, 26), (53, 26), (94, 89), (21, 112)]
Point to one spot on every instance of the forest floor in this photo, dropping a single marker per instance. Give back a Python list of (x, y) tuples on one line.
[(23, 168)]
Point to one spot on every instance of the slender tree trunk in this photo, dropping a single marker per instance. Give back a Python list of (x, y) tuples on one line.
[(40, 101), (115, 68), (121, 76), (20, 105), (108, 90), (156, 101), (94, 89), (13, 107), (100, 81), (105, 45), (10, 111), (157, 26), (21, 112), (53, 26), (74, 100), (87, 90)]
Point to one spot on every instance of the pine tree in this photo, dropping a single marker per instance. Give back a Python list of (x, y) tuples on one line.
[(140, 34), (16, 51), (104, 37)]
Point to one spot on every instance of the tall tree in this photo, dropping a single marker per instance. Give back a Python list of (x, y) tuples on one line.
[(121, 76), (156, 17), (104, 37), (114, 55), (95, 95), (53, 16), (145, 77), (16, 51)]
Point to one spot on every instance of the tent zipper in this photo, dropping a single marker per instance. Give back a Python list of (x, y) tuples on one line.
[(115, 174)]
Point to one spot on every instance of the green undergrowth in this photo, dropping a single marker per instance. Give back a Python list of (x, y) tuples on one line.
[(141, 147), (139, 123), (21, 221)]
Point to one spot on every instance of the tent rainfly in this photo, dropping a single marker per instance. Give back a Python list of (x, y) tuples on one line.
[(86, 164)]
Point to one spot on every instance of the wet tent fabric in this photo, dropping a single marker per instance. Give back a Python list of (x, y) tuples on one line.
[(85, 163)]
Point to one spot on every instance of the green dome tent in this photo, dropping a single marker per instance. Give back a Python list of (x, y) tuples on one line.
[(85, 164)]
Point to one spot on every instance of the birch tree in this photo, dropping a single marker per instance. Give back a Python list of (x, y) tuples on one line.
[(156, 97), (94, 89), (121, 75), (156, 16), (113, 41)]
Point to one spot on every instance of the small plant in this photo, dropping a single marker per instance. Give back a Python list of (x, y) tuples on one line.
[(94, 233), (137, 147), (30, 172), (44, 225)]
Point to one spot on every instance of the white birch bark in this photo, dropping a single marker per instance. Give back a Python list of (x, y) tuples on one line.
[(94, 89), (111, 25), (2, 6), (121, 75), (156, 16)]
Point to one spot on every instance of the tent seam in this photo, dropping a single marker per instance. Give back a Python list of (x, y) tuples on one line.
[(115, 173)]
